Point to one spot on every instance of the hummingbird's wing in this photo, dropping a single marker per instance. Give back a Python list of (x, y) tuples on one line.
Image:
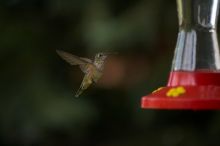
[(86, 59), (72, 59)]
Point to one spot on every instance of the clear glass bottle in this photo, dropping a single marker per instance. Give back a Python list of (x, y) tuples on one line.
[(196, 59), (197, 45)]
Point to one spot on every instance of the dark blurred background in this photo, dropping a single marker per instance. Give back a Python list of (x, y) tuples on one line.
[(37, 87)]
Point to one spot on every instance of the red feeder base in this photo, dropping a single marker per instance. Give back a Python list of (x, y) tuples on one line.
[(188, 91)]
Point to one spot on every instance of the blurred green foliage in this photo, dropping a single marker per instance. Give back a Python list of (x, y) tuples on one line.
[(37, 87)]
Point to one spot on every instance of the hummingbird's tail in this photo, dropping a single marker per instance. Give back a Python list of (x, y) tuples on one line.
[(84, 85), (79, 92)]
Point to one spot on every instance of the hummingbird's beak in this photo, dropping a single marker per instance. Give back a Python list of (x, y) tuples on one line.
[(111, 53)]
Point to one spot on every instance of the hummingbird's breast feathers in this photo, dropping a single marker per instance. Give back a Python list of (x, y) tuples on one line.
[(99, 64)]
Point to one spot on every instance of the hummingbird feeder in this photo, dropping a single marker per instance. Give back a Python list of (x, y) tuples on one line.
[(194, 81)]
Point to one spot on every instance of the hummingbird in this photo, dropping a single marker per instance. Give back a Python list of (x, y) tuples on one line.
[(93, 70)]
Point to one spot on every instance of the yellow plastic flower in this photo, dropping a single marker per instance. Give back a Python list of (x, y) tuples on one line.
[(175, 92), (157, 90)]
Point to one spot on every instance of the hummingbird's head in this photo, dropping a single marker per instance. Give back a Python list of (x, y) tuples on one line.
[(101, 56), (100, 59)]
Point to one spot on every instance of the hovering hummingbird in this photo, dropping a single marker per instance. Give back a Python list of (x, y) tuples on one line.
[(93, 69)]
